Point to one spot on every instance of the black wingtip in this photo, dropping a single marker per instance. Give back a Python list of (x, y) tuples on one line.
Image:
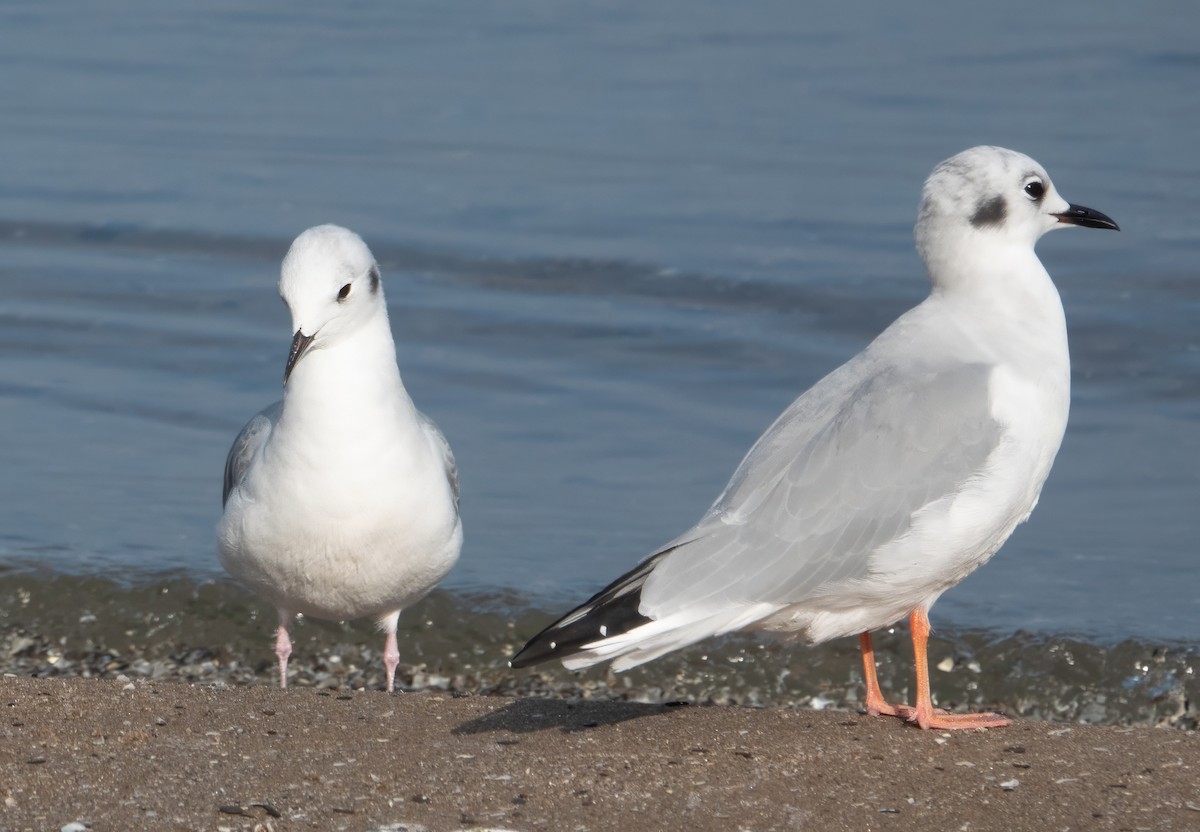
[(538, 650), (605, 614), (610, 612)]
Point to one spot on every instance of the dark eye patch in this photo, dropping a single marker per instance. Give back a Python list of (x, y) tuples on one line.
[(344, 293), (374, 279), (989, 212)]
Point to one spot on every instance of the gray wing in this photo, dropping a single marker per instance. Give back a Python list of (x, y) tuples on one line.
[(241, 453), (841, 473), (439, 441)]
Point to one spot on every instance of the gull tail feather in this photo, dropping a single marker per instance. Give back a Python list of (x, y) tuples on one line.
[(656, 638), (611, 625)]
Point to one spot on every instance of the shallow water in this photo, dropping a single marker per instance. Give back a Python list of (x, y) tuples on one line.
[(617, 241)]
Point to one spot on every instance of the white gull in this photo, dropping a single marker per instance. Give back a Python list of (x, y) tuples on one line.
[(895, 476), (341, 500)]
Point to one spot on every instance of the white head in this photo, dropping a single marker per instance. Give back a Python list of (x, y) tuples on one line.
[(989, 197), (332, 286)]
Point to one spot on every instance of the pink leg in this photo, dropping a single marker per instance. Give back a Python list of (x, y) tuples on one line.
[(283, 648), (391, 650), (391, 658)]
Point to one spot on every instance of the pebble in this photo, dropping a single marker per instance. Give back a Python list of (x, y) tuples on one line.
[(1164, 692)]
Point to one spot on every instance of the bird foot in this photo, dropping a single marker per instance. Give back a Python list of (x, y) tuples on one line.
[(938, 718), (876, 705), (884, 709), (946, 721)]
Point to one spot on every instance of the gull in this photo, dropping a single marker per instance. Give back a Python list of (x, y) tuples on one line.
[(341, 500), (892, 478)]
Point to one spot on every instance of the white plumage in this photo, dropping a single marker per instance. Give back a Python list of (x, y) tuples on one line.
[(341, 501), (895, 476)]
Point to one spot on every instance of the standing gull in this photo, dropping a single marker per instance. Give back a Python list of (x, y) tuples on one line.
[(891, 479), (341, 501)]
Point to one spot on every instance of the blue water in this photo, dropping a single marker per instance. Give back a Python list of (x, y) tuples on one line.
[(617, 240)]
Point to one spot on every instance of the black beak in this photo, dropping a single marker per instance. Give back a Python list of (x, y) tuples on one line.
[(1086, 217), (300, 345)]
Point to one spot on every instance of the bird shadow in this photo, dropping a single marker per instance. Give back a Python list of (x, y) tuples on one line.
[(525, 716)]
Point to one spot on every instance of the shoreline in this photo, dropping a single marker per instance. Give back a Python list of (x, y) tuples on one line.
[(213, 633), (131, 754)]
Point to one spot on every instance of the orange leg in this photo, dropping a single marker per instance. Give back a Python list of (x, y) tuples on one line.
[(924, 715), (876, 704)]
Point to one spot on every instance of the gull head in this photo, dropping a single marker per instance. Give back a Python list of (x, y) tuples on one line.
[(331, 283), (987, 198)]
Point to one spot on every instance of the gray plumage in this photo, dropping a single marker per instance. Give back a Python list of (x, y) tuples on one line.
[(805, 522), (246, 445)]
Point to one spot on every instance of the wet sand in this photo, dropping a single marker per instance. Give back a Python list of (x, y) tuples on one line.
[(162, 755)]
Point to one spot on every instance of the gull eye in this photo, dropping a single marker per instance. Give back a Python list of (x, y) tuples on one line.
[(1035, 190), (344, 293)]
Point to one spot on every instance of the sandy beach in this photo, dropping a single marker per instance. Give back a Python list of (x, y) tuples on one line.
[(119, 754)]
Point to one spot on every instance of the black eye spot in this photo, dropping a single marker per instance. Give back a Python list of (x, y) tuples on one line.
[(344, 293), (1035, 190), (989, 212), (374, 279)]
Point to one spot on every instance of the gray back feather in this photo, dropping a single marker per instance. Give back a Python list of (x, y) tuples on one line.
[(439, 440), (246, 445)]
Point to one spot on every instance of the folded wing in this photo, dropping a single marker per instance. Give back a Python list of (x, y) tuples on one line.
[(840, 474), (246, 445)]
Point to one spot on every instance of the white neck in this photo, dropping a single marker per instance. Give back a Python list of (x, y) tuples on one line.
[(1006, 274), (1016, 310), (333, 385)]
